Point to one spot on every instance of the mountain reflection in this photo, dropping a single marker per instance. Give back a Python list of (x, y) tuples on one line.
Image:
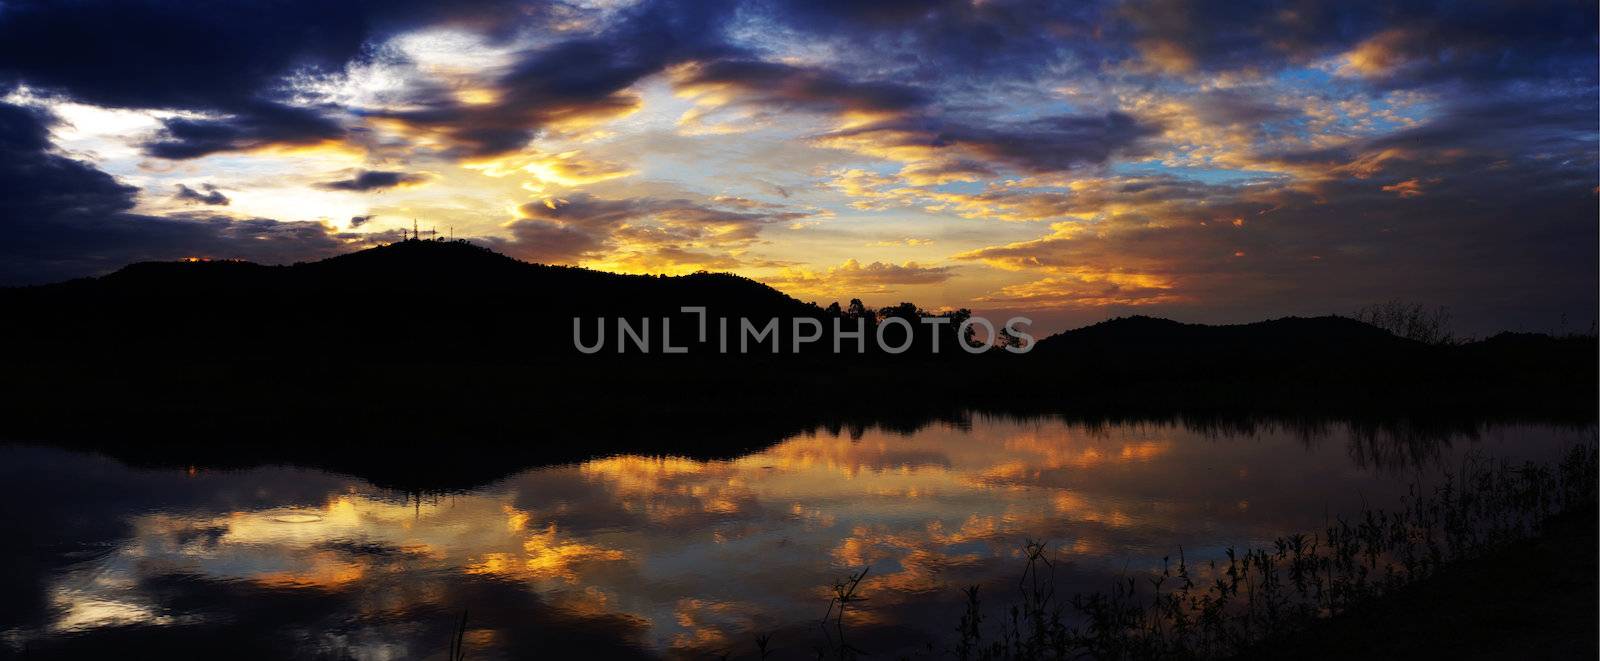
[(665, 555)]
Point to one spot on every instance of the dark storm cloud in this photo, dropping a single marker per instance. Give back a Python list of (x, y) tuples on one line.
[(788, 87), (1052, 143), (1484, 44), (568, 230), (146, 54), (930, 40), (1153, 193), (158, 54), (372, 180), (256, 125), (945, 43), (691, 218), (1049, 144), (233, 59), (1554, 131), (228, 59), (1190, 35), (585, 76), (64, 218), (909, 118), (211, 196), (1233, 107), (905, 116), (1565, 126), (36, 184), (1403, 44)]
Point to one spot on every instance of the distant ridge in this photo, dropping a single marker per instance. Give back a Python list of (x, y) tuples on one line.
[(430, 265), (408, 294), (412, 361), (475, 300)]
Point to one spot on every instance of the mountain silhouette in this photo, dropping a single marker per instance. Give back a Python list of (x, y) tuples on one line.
[(411, 296), (1319, 347), (375, 361), (1325, 361)]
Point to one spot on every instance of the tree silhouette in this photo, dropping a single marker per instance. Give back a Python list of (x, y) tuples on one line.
[(858, 310)]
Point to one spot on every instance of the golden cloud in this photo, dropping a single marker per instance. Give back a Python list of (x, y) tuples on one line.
[(853, 278)]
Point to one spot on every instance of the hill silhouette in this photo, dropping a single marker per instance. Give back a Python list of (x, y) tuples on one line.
[(408, 297), (1319, 348), (1314, 351), (371, 362)]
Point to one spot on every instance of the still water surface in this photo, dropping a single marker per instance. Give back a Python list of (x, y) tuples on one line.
[(634, 555)]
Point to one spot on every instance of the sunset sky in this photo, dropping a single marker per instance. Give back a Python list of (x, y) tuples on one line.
[(1209, 162)]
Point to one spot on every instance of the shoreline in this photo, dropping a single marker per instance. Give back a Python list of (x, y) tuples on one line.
[(1534, 599)]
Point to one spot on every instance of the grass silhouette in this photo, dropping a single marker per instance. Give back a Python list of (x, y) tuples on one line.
[(1227, 606)]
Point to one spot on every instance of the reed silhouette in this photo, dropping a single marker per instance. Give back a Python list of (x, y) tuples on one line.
[(1310, 594)]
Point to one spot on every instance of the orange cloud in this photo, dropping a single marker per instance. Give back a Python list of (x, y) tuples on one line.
[(1377, 56), (1407, 188), (1089, 290), (853, 278)]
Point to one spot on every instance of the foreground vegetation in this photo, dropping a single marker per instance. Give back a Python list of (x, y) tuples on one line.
[(1255, 600), (1533, 599)]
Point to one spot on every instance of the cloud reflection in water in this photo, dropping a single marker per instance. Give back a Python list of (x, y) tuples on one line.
[(642, 555)]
